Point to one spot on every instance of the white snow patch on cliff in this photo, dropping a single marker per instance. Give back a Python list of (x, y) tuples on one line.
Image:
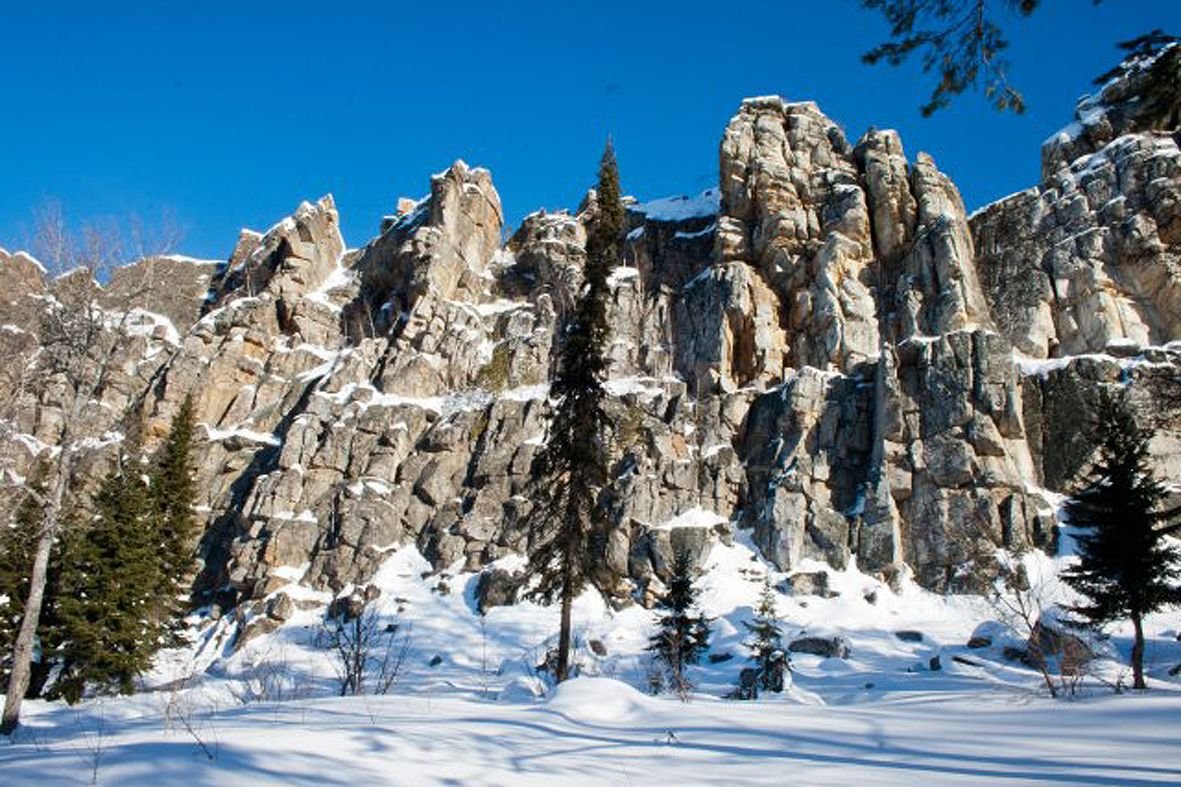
[(675, 209)]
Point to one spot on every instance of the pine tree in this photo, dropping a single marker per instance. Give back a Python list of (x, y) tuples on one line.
[(766, 642), (173, 494), (18, 539), (1125, 568), (111, 574), (682, 636), (570, 471), (18, 542)]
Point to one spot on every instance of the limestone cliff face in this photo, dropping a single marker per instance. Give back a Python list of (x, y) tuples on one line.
[(825, 350)]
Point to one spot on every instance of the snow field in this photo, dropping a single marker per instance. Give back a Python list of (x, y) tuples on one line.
[(469, 709)]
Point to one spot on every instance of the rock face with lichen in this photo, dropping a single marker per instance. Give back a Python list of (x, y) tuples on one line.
[(825, 350)]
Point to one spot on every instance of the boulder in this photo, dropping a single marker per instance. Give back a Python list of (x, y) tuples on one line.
[(825, 647), (496, 588), (809, 583)]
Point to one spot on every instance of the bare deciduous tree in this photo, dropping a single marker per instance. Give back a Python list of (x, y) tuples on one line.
[(367, 653), (79, 339)]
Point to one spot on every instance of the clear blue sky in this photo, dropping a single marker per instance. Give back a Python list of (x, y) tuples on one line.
[(228, 114)]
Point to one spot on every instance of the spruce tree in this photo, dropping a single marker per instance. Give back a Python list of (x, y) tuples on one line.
[(1125, 567), (18, 542), (766, 642), (18, 539), (173, 494), (682, 636), (111, 575), (570, 471)]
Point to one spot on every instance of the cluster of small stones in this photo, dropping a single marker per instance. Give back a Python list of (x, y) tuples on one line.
[(837, 359)]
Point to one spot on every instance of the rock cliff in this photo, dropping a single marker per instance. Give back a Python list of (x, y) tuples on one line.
[(825, 351)]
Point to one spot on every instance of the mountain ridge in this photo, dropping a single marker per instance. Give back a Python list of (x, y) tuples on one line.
[(826, 361)]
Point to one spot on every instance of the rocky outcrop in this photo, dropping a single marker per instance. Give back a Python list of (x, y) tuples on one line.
[(1083, 271), (825, 350), (1088, 260)]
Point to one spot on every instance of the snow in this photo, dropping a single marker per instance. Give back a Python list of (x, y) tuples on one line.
[(699, 234), (621, 274), (468, 707), (646, 387), (26, 256), (571, 739), (34, 445), (1043, 367), (699, 278), (712, 450), (339, 278), (497, 307), (141, 322), (214, 435), (190, 260), (984, 208), (526, 393), (1066, 134), (683, 208), (330, 360), (694, 517), (290, 516), (365, 395)]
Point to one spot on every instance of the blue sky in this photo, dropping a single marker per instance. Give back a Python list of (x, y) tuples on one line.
[(226, 115)]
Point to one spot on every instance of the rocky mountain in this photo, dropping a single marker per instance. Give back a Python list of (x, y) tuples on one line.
[(825, 351)]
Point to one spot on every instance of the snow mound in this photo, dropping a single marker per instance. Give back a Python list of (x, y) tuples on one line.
[(597, 700), (522, 689)]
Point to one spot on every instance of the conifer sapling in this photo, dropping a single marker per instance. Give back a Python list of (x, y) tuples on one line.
[(682, 636), (766, 643), (1126, 568)]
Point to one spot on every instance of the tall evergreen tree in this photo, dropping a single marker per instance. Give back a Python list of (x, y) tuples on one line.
[(682, 636), (18, 542), (766, 642), (18, 539), (111, 576), (173, 493), (570, 471), (1125, 567)]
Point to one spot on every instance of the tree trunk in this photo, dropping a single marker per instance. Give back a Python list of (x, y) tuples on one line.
[(1138, 654), (22, 651), (563, 669)]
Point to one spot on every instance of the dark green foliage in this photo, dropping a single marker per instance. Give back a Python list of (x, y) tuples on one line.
[(18, 542), (110, 581), (766, 644), (961, 42), (682, 636), (569, 473), (125, 571), (1126, 569), (173, 493)]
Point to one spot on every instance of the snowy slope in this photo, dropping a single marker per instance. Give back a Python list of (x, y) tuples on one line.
[(464, 708), (599, 731), (468, 708)]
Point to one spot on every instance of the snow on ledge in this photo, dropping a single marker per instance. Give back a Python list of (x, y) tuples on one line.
[(215, 435), (694, 517), (674, 209), (621, 274)]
